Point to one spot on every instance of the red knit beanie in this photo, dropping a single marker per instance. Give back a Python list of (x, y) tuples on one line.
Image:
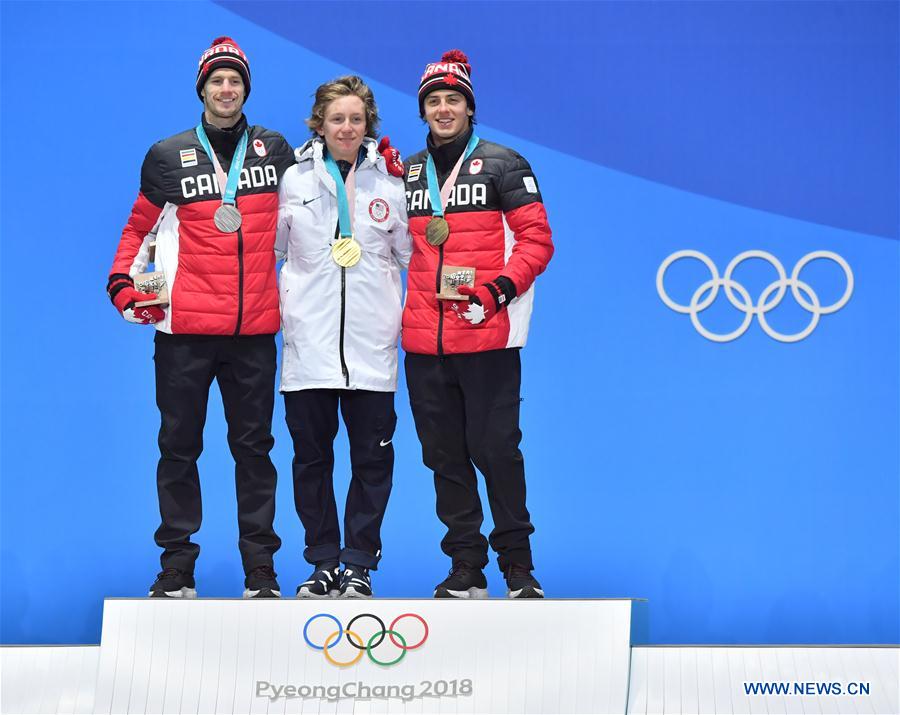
[(452, 72), (224, 52)]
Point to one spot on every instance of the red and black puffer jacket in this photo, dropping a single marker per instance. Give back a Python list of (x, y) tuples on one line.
[(219, 283), (498, 226)]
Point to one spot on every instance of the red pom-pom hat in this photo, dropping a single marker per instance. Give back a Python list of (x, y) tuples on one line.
[(452, 72), (224, 52)]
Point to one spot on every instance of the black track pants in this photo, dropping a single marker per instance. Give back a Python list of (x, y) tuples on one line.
[(466, 409), (312, 418), (245, 370)]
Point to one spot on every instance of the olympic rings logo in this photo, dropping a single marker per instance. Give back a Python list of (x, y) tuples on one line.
[(364, 645), (803, 293)]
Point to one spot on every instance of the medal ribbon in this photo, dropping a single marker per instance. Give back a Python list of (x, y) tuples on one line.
[(438, 201), (230, 183), (346, 195)]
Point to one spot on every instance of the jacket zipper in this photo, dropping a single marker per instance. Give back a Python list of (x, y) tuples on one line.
[(344, 371), (240, 313), (437, 289)]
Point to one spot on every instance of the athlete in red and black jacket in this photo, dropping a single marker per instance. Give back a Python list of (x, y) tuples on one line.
[(221, 318), (462, 358), (219, 284)]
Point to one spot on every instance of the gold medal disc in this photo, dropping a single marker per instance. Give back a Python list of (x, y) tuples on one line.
[(437, 230), (346, 252)]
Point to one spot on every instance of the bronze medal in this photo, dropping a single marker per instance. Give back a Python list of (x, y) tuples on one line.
[(437, 230), (346, 252)]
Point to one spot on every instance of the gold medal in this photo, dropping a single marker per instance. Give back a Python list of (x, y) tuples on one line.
[(346, 252), (437, 230)]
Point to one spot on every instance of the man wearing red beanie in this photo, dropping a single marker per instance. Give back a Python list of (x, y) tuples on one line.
[(480, 238), (207, 208)]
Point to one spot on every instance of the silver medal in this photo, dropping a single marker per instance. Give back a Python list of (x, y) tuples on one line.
[(227, 218)]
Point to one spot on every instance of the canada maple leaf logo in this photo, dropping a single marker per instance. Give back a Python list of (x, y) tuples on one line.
[(450, 79)]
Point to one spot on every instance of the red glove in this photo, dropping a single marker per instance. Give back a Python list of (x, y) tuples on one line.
[(484, 302), (391, 157), (124, 299)]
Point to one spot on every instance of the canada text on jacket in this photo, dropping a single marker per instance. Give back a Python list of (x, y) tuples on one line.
[(254, 177), (462, 195)]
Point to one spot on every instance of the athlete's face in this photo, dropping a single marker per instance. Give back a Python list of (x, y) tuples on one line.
[(344, 127), (223, 97), (447, 113)]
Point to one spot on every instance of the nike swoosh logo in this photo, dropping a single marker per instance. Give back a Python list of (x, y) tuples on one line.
[(309, 201), (385, 444)]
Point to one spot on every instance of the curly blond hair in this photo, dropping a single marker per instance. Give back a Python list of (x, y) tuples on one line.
[(347, 86)]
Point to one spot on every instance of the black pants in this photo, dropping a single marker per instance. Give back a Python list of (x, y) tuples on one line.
[(466, 409), (312, 418), (245, 369)]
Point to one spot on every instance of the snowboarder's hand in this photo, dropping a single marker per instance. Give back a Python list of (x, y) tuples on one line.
[(484, 302), (126, 297), (391, 157)]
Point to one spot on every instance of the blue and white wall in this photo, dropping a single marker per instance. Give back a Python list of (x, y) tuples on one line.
[(750, 489)]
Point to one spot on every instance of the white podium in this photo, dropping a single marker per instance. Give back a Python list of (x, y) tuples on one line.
[(231, 656), (364, 656)]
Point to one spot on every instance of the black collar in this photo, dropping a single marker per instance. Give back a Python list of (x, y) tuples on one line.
[(446, 155), (224, 141)]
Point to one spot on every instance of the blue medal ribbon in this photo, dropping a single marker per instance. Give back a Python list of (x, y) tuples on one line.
[(345, 228), (434, 192), (237, 163)]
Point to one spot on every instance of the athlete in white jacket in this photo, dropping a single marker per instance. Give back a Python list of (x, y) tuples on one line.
[(340, 294)]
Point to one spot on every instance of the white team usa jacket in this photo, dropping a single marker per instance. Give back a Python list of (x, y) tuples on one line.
[(340, 331)]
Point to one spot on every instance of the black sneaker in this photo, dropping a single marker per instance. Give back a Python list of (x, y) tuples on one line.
[(521, 583), (172, 583), (464, 581), (323, 583), (261, 583), (355, 582)]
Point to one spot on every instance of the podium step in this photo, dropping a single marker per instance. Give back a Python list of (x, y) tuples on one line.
[(732, 680), (384, 656), (664, 680), (48, 679)]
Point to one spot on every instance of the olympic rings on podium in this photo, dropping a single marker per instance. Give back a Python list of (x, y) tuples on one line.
[(408, 615), (320, 615), (354, 659), (354, 639), (380, 623), (396, 660)]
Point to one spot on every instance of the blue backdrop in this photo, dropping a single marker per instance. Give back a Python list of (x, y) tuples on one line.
[(750, 489)]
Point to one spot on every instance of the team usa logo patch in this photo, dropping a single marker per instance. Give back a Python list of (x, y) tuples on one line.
[(379, 210), (188, 158), (414, 171), (259, 147), (476, 166)]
